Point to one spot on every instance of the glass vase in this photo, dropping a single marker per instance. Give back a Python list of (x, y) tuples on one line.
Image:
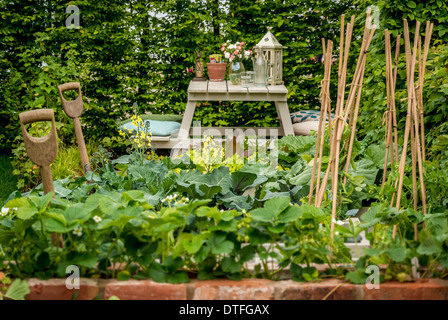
[(235, 69)]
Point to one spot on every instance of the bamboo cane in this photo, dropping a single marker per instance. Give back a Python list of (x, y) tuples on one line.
[(410, 68), (329, 122), (358, 84), (341, 86), (414, 163), (422, 72), (327, 106), (321, 128), (394, 84), (387, 114), (394, 114), (338, 129)]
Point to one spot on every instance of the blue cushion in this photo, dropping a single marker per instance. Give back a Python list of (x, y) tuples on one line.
[(306, 115), (157, 128)]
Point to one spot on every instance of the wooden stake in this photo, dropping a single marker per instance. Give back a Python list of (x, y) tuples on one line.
[(325, 101), (410, 68), (338, 129), (393, 110), (387, 114), (357, 83), (421, 78)]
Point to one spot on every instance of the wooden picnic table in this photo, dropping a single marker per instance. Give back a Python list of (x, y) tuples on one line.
[(226, 91)]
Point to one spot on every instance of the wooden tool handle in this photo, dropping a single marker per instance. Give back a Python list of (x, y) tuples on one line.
[(70, 86), (42, 151), (72, 108), (36, 115)]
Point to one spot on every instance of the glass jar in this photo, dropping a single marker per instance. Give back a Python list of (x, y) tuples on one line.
[(260, 69), (235, 69)]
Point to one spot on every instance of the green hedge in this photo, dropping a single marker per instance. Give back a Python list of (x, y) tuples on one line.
[(125, 56), (129, 59)]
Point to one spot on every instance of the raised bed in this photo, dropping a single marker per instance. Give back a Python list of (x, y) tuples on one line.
[(247, 289)]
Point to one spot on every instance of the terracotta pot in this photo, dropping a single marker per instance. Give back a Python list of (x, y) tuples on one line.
[(216, 71)]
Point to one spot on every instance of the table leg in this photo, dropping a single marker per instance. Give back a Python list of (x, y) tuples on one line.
[(184, 132), (285, 118)]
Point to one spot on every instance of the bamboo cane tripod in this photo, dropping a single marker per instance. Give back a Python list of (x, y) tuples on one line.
[(344, 110), (414, 128)]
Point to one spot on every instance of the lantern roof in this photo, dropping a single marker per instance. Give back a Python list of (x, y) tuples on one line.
[(269, 41)]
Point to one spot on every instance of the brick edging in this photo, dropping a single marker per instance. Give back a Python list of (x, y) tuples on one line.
[(246, 289)]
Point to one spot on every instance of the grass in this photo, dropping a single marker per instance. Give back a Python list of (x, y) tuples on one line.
[(8, 182), (67, 162)]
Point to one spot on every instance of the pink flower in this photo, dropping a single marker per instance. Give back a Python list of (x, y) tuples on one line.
[(222, 49), (240, 47), (236, 52), (242, 43), (232, 56)]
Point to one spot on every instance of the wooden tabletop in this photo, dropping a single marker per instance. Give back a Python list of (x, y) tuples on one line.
[(228, 87)]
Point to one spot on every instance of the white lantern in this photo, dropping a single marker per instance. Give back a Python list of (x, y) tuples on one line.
[(273, 54)]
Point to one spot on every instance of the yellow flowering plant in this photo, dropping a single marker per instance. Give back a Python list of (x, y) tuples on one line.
[(141, 139)]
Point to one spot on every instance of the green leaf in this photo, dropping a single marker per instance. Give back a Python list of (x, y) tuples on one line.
[(18, 290), (195, 244), (227, 226), (158, 275), (229, 264), (396, 253), (290, 214), (178, 277), (366, 168), (134, 195), (411, 4), (277, 229), (85, 259), (25, 208), (52, 225), (373, 251), (123, 275), (242, 180), (303, 178), (263, 214), (247, 253), (76, 212), (42, 202), (223, 247), (436, 223), (430, 246), (201, 254), (356, 277), (272, 208)]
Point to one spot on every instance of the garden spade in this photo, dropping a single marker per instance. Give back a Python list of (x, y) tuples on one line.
[(74, 109), (42, 151)]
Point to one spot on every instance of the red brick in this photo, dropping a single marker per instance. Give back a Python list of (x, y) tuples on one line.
[(145, 290), (246, 289), (292, 290), (422, 289), (55, 289)]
